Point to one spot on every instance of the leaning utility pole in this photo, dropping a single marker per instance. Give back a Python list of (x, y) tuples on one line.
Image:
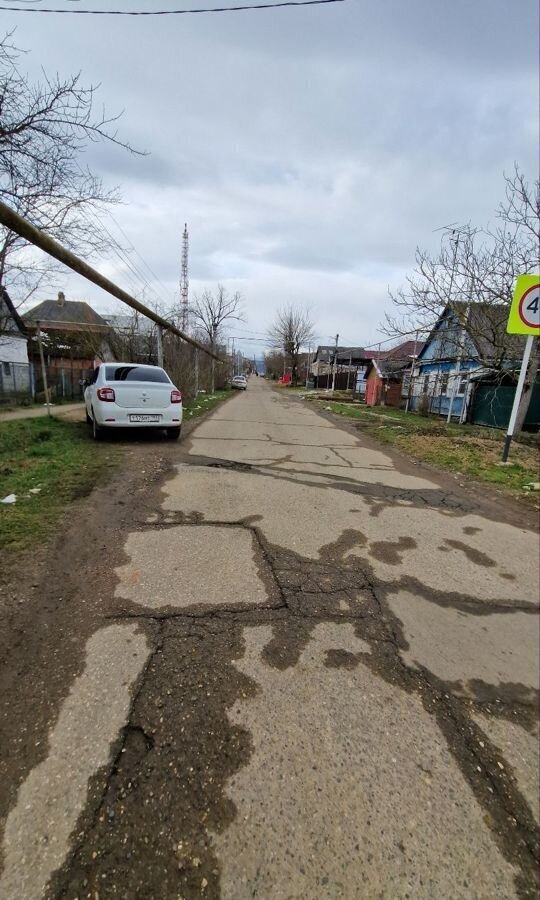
[(184, 281), (14, 222)]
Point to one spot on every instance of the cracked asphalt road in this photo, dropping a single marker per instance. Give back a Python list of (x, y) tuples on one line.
[(274, 662)]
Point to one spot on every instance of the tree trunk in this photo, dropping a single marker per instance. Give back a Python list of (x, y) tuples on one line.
[(530, 379)]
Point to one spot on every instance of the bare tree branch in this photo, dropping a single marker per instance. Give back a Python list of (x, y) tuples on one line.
[(210, 311), (44, 129), (291, 330), (476, 268)]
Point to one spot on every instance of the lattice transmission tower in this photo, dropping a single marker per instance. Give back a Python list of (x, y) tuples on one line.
[(184, 282)]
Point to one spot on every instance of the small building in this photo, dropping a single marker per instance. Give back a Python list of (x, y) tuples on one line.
[(388, 374), (345, 360), (75, 338), (466, 338), (15, 370), (133, 337), (384, 379)]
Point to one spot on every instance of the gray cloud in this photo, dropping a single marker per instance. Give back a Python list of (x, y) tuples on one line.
[(310, 150)]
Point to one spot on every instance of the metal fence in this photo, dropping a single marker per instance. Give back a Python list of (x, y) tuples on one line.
[(436, 393), (22, 383), (63, 383), (16, 383)]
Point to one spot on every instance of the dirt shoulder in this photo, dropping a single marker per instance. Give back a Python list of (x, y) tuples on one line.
[(55, 595)]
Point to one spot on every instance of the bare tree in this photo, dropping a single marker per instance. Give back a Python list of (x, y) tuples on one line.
[(133, 338), (291, 330), (273, 363), (474, 274), (521, 211), (210, 311), (44, 128)]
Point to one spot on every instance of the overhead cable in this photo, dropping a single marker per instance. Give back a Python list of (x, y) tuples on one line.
[(164, 12)]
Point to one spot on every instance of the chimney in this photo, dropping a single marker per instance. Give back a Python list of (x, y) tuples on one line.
[(61, 298)]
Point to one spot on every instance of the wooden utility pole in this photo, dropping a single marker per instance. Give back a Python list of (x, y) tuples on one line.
[(10, 219), (43, 369), (159, 344)]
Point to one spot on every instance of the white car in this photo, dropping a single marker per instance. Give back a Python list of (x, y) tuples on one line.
[(128, 395), (239, 382)]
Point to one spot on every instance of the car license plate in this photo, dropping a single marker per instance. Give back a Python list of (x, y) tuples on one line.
[(142, 418)]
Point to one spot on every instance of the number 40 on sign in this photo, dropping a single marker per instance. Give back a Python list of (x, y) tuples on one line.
[(524, 315)]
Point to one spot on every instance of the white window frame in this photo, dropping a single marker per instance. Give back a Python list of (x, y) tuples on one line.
[(445, 381), (462, 378)]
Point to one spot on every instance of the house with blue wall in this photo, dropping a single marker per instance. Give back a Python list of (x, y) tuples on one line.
[(467, 340)]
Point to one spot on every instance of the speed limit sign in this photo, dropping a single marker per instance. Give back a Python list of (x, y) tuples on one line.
[(524, 315)]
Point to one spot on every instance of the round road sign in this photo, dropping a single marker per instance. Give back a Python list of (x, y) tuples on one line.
[(529, 307)]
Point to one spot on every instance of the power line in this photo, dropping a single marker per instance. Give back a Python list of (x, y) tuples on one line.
[(117, 247), (119, 251), (142, 259), (165, 12)]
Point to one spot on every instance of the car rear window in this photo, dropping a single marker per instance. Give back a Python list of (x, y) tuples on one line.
[(135, 373)]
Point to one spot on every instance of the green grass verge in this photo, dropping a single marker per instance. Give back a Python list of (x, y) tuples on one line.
[(463, 449), (55, 459), (203, 403)]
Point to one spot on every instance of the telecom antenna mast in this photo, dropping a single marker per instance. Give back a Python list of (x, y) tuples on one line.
[(184, 280)]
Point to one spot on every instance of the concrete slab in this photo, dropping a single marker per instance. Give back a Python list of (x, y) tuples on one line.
[(313, 819), (39, 827), (498, 648), (445, 552), (195, 566)]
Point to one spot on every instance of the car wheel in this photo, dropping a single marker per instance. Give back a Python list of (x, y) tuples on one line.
[(173, 433), (97, 430)]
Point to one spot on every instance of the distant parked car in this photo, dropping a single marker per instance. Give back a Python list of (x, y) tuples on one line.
[(239, 382), (128, 395)]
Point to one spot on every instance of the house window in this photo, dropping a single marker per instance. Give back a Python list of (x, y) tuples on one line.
[(7, 368), (425, 388), (462, 384), (444, 384)]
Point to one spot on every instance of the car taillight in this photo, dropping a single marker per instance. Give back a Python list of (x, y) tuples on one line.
[(176, 397), (106, 394)]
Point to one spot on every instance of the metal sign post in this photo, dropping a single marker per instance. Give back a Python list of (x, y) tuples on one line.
[(517, 398), (524, 318)]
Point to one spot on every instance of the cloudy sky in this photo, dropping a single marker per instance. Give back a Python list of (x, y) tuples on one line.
[(309, 149)]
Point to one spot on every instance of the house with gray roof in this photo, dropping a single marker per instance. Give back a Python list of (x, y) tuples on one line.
[(75, 337), (468, 341)]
